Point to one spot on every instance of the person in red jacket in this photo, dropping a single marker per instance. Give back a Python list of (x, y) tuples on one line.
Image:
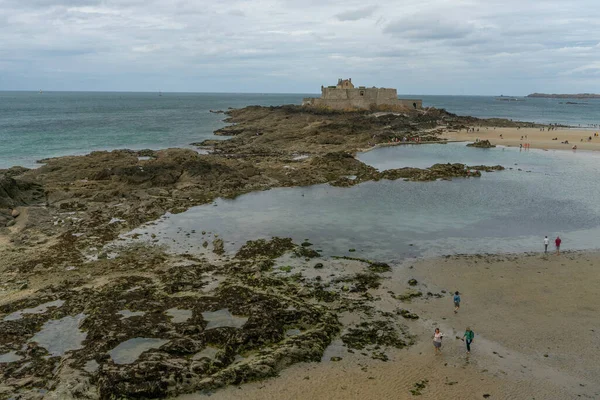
[(557, 242)]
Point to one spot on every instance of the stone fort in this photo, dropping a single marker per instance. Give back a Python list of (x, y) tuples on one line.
[(346, 96)]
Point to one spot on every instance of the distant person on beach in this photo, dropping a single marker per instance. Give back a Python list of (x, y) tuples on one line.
[(437, 341), (546, 243), (557, 243), (468, 338), (456, 302)]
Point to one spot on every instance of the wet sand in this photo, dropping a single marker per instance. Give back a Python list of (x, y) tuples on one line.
[(537, 330), (536, 138)]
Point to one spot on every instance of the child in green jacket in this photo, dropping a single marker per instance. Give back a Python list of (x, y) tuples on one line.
[(468, 338)]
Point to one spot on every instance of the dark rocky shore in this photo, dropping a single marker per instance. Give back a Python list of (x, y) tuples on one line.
[(57, 220)]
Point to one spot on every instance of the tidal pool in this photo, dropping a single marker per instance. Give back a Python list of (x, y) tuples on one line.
[(178, 316), (61, 335), (223, 318), (9, 357), (554, 193), (129, 351), (42, 308)]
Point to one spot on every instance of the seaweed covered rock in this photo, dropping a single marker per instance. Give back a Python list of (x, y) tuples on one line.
[(262, 248), (369, 334), (407, 314), (306, 252), (16, 192), (486, 168), (482, 144), (435, 172)]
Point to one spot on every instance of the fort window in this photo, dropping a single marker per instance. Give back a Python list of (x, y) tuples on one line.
[(362, 92)]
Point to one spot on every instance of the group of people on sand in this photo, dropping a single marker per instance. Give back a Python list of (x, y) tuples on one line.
[(557, 243), (468, 336)]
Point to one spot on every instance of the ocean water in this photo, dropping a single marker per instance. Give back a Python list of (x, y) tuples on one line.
[(35, 126), (508, 211)]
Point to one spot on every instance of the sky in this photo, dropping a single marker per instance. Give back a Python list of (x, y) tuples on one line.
[(462, 47)]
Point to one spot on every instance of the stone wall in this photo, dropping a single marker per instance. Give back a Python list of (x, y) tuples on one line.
[(363, 98)]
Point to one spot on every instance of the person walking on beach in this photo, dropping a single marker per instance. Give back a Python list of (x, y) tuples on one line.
[(456, 302), (468, 338), (557, 243), (437, 341), (546, 243)]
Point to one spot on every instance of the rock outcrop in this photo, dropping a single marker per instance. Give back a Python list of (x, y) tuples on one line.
[(482, 144)]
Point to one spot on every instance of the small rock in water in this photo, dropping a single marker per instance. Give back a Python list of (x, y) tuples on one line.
[(15, 213), (335, 359), (412, 282), (318, 265), (351, 250)]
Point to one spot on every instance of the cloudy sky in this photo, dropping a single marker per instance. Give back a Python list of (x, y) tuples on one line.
[(294, 46)]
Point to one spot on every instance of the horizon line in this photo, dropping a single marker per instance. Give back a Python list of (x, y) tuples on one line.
[(255, 93)]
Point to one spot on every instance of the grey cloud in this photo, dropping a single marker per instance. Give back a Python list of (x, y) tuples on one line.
[(425, 29), (355, 15), (194, 42)]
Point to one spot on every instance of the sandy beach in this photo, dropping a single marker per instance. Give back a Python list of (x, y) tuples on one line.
[(535, 322), (535, 138)]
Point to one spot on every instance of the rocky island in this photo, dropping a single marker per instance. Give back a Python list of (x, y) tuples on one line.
[(87, 314), (566, 96)]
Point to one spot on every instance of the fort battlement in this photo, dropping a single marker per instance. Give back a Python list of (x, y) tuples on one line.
[(346, 96)]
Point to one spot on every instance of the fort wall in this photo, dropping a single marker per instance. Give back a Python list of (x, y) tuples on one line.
[(362, 98)]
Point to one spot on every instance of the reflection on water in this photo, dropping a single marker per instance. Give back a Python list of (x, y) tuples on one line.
[(42, 308), (508, 211), (130, 350), (128, 314), (61, 335), (178, 316), (223, 318), (9, 357)]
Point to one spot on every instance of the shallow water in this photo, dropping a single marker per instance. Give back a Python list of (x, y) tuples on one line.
[(42, 308), (61, 335), (9, 357), (178, 316), (91, 366), (223, 318), (129, 351), (208, 352), (128, 314), (507, 211)]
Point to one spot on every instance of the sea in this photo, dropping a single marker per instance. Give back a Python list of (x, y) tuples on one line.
[(541, 193), (34, 125)]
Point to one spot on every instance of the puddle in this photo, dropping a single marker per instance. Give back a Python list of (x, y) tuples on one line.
[(91, 366), (61, 335), (212, 282), (115, 221), (209, 352), (42, 308), (238, 358), (293, 332), (335, 349), (10, 357), (144, 158), (223, 318), (129, 314), (178, 316), (130, 350), (300, 157)]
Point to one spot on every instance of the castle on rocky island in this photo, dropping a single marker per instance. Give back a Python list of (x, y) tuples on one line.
[(345, 96)]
